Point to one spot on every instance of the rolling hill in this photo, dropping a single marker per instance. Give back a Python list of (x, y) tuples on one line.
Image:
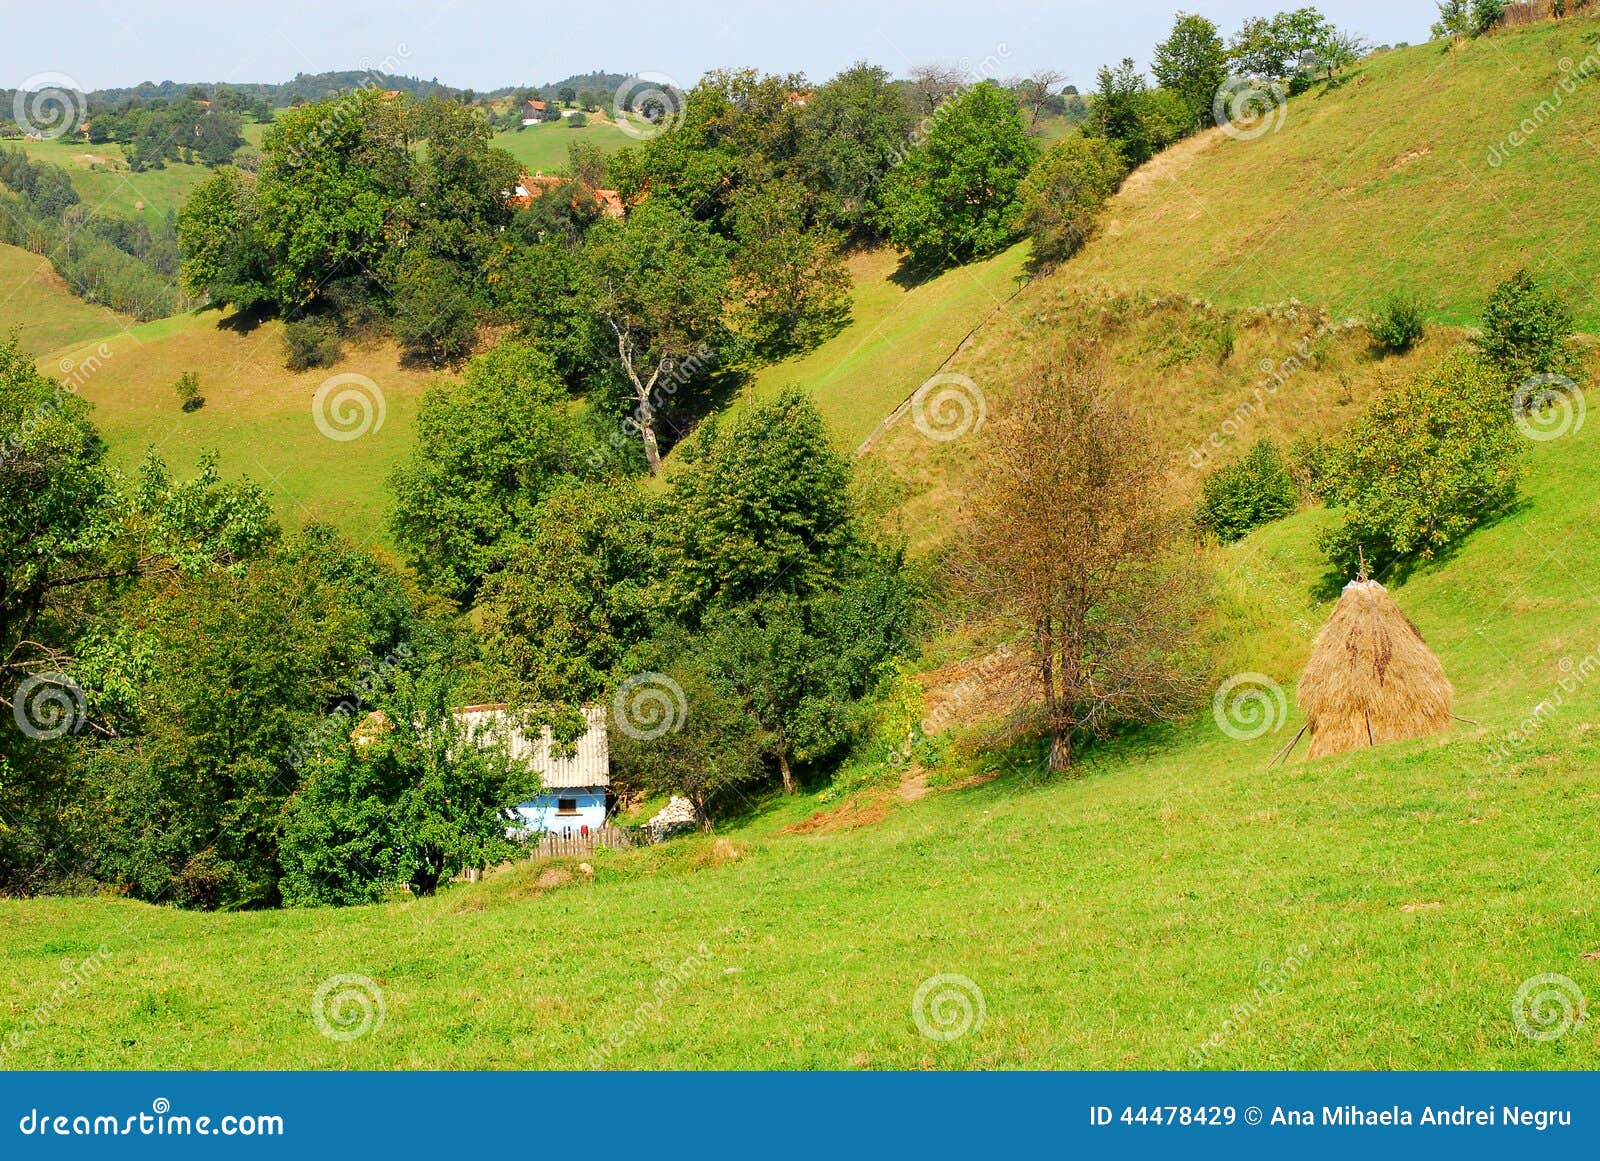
[(1175, 903), (1407, 174), (258, 416), (103, 180), (1375, 910), (37, 307)]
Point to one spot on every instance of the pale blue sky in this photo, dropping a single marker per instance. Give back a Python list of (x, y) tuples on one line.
[(468, 43)]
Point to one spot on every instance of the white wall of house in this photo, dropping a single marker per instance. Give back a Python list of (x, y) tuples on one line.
[(561, 811)]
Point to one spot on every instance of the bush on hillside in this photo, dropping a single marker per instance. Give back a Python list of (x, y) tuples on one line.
[(1429, 461), (311, 342), (1059, 202), (1398, 324), (188, 391), (1526, 330), (1256, 490)]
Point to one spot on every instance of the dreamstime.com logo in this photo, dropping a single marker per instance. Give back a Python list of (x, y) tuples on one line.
[(48, 706), (1547, 407), (1245, 109), (1547, 1007), (946, 1007), (648, 706), (348, 1006), (1249, 705), (947, 406), (49, 105), (347, 406), (160, 1121), (654, 98)]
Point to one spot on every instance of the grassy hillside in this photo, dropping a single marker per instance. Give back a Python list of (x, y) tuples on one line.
[(38, 308), (103, 180), (257, 416), (543, 148), (1114, 919), (1385, 181), (257, 413), (897, 337), (1211, 380)]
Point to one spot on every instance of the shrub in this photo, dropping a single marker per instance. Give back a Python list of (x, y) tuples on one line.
[(1308, 460), (1059, 202), (1525, 330), (311, 342), (1256, 490), (188, 390), (576, 121), (1486, 14), (1429, 461), (1398, 324)]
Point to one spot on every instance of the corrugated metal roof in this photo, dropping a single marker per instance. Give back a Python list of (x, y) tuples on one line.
[(589, 765)]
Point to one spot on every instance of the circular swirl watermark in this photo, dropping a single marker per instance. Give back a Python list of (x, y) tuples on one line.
[(1249, 705), (160, 1106), (1245, 109), (1547, 407), (49, 105), (947, 406), (650, 705), (654, 98), (347, 406), (1547, 1007), (946, 1007), (348, 1006), (47, 706)]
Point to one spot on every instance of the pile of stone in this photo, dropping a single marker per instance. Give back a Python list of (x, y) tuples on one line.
[(673, 818)]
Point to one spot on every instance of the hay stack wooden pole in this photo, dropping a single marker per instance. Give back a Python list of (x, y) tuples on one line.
[(1371, 677)]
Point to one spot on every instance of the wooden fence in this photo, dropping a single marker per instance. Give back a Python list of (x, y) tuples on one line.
[(575, 842)]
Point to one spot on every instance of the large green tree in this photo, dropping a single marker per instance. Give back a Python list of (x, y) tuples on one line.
[(764, 508), (664, 287), (855, 130), (1192, 63), (793, 288), (558, 622), (951, 200), (488, 450)]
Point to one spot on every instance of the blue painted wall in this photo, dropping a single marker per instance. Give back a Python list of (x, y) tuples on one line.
[(541, 814)]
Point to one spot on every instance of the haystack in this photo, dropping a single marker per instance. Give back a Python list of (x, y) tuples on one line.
[(1371, 677)]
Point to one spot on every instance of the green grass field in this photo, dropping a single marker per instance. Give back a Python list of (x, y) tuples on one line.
[(37, 307), (1114, 919), (543, 148), (897, 337), (1384, 182), (258, 415), (103, 180)]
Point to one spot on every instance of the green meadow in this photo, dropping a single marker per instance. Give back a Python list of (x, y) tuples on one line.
[(1376, 910), (543, 148), (1406, 174)]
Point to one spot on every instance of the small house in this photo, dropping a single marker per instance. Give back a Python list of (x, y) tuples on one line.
[(576, 786), (533, 112)]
